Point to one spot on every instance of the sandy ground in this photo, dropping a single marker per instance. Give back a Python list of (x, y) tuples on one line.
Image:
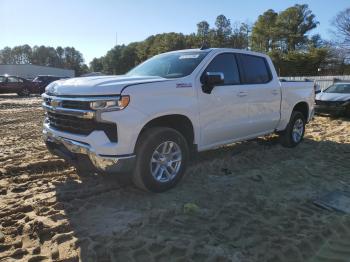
[(251, 201)]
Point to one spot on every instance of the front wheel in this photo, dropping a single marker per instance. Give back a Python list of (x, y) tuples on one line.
[(24, 92), (161, 159), (294, 133), (347, 111)]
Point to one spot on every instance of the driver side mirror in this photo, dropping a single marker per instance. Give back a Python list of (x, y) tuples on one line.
[(212, 79)]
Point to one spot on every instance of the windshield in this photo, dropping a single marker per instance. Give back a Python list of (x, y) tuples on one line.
[(339, 88), (170, 65)]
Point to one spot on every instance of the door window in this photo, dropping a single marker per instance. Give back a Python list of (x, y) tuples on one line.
[(254, 69), (225, 63), (12, 79)]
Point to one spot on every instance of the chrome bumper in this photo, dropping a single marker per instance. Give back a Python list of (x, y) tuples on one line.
[(70, 149)]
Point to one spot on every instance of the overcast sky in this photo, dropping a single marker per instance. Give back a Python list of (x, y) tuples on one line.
[(91, 26)]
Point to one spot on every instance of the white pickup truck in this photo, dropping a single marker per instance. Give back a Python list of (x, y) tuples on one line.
[(149, 121)]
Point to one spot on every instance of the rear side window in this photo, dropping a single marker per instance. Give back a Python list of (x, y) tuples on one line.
[(226, 64), (254, 69), (2, 79)]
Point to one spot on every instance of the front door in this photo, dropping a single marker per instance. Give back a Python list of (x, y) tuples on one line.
[(14, 84), (223, 112)]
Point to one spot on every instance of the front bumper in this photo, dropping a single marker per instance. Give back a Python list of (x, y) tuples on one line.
[(330, 109), (78, 153)]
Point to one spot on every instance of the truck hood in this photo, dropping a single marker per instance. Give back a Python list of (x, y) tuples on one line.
[(97, 85), (332, 97)]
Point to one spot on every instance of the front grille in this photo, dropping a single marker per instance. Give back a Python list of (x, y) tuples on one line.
[(73, 104), (328, 103), (83, 105), (81, 126)]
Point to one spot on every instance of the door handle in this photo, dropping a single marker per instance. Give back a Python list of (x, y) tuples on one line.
[(242, 94), (275, 92)]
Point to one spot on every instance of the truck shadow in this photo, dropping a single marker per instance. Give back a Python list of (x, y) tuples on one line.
[(235, 149), (107, 220)]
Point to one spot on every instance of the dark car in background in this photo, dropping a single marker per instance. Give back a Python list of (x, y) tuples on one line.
[(334, 100), (19, 85), (43, 80)]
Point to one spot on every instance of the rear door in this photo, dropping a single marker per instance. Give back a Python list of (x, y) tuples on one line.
[(263, 93)]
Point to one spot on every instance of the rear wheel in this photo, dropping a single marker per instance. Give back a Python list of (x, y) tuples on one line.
[(294, 133), (162, 156)]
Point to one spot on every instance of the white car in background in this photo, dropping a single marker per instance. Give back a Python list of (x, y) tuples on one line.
[(148, 122), (335, 99)]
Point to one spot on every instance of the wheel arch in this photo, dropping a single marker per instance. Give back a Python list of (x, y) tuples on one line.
[(179, 122), (303, 108)]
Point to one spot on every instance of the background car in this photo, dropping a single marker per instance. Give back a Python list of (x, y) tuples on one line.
[(335, 99), (43, 80), (15, 84)]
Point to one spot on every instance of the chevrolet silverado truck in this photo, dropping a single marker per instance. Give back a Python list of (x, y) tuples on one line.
[(148, 122)]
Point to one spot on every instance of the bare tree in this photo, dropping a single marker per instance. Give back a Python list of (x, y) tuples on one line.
[(342, 26)]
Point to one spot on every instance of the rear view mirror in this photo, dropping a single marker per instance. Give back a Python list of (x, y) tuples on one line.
[(211, 79)]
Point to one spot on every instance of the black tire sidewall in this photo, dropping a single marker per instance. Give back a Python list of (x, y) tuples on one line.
[(144, 154)]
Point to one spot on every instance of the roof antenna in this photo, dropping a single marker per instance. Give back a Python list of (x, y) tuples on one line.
[(204, 46)]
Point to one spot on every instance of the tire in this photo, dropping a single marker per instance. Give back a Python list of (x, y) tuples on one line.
[(158, 148), (288, 137), (24, 92)]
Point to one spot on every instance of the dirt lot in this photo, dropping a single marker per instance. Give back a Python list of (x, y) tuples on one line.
[(251, 201)]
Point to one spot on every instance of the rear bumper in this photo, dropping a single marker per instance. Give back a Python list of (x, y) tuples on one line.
[(78, 153)]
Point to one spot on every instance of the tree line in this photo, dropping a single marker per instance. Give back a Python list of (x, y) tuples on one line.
[(122, 58), (285, 36), (67, 57)]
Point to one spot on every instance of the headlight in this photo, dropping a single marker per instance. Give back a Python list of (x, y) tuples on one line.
[(50, 88), (110, 105)]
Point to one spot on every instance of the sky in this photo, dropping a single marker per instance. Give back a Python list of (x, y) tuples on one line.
[(94, 27)]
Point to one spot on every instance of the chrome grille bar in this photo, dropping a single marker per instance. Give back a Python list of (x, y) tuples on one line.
[(85, 114)]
